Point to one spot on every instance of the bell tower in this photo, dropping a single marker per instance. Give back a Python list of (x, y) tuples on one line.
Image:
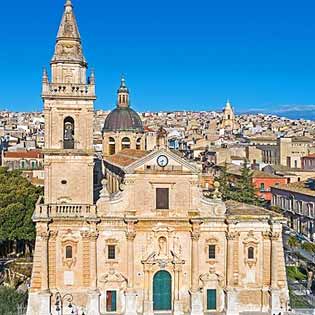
[(68, 107)]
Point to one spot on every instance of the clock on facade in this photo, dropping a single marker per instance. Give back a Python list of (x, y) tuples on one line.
[(162, 160)]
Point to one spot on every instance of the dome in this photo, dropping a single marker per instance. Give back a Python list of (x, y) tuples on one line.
[(123, 119)]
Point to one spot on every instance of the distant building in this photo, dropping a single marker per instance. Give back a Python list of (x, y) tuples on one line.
[(24, 160), (287, 152), (297, 202), (308, 162), (263, 182), (228, 121)]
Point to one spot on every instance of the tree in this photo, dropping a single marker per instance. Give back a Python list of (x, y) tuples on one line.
[(293, 242), (244, 188), (17, 203), (224, 182), (309, 247), (10, 300)]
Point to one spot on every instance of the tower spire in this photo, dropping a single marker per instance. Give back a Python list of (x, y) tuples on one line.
[(68, 44), (123, 93), (68, 64)]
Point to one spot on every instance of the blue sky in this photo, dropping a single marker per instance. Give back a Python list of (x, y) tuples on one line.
[(175, 54)]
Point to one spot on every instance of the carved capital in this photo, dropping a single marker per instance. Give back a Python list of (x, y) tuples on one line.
[(53, 235), (195, 235), (90, 235), (275, 236), (131, 230), (266, 235), (130, 235), (94, 235), (232, 235), (44, 235)]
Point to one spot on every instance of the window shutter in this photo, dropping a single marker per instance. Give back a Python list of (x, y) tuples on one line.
[(162, 198)]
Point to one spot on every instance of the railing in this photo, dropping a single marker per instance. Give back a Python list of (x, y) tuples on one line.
[(55, 89), (65, 211)]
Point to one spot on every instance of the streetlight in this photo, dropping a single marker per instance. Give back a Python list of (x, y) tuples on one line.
[(60, 300)]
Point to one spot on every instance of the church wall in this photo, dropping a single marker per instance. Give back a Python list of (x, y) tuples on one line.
[(69, 180)]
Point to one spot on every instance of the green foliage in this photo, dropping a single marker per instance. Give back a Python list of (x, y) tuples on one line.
[(298, 301), (17, 203), (293, 242), (309, 247), (223, 180), (245, 190), (9, 301), (295, 274)]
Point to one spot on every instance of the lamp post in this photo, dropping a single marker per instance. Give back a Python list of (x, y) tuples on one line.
[(60, 300)]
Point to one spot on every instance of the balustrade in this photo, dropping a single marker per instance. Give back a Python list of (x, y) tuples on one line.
[(64, 211)]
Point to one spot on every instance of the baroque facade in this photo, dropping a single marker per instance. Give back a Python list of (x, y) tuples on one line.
[(151, 243)]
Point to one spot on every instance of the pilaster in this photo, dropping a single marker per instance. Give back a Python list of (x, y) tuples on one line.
[(195, 294)]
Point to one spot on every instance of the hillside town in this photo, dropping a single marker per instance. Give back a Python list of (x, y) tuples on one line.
[(279, 151)]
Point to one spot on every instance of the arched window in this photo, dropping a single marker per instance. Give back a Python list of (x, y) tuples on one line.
[(111, 146), (125, 143), (138, 144), (68, 133), (68, 251), (250, 253)]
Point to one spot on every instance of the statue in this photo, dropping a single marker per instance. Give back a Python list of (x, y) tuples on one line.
[(162, 246), (216, 194)]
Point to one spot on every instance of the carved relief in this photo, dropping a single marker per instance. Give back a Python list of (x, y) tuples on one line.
[(163, 250), (162, 247), (115, 278), (67, 240), (250, 249), (216, 278), (232, 235)]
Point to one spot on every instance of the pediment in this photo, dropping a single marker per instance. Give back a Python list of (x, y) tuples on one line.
[(149, 163)]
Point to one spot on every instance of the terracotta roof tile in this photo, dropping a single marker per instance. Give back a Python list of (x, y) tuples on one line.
[(126, 157), (297, 187), (33, 154)]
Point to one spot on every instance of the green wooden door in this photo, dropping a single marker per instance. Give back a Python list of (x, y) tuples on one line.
[(162, 291), (211, 299)]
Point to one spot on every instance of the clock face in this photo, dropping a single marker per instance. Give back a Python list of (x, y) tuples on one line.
[(162, 160)]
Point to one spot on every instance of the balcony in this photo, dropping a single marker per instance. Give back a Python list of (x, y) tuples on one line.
[(69, 90), (51, 211)]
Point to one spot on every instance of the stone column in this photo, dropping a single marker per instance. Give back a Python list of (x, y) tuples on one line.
[(274, 262), (131, 296), (45, 292), (90, 242), (93, 259), (266, 269), (275, 292), (196, 296), (148, 302), (232, 238), (178, 307), (44, 270), (52, 259)]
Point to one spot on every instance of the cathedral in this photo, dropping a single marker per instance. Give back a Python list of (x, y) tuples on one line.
[(149, 242)]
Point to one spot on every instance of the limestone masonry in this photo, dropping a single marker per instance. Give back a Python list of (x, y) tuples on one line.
[(145, 241)]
